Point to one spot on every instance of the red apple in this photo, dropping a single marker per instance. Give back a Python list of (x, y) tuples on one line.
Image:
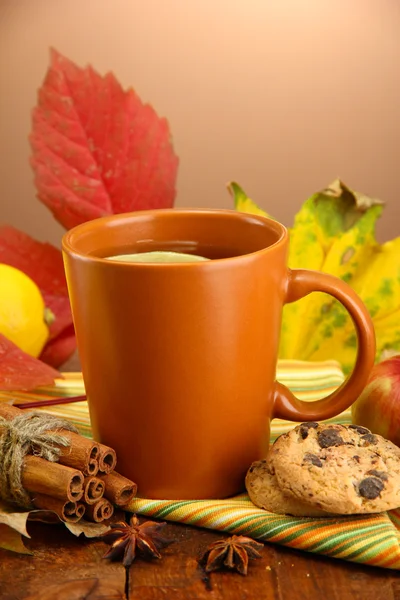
[(378, 407)]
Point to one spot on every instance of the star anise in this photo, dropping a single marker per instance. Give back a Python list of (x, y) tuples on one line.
[(232, 553), (127, 539)]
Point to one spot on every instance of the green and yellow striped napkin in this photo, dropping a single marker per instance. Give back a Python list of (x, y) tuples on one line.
[(371, 539)]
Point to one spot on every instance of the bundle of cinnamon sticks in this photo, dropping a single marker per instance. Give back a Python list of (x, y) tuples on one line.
[(82, 483)]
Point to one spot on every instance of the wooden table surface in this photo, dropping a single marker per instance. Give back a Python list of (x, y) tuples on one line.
[(64, 567), (67, 568)]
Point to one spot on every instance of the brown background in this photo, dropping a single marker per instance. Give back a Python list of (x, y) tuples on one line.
[(279, 95)]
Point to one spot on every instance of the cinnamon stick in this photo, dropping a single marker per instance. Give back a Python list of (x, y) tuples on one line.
[(107, 459), (81, 454), (118, 489), (93, 489), (44, 477), (100, 511), (72, 512)]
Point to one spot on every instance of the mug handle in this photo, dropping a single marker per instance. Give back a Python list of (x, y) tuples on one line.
[(302, 282)]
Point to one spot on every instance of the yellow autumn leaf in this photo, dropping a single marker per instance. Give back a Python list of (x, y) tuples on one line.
[(320, 314), (242, 202), (334, 232)]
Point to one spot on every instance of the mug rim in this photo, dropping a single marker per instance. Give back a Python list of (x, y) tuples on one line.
[(70, 248)]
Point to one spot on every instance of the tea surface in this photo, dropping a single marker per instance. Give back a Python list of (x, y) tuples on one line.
[(157, 257)]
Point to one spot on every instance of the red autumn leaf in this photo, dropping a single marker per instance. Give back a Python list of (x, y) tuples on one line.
[(58, 350), (43, 263), (19, 371), (97, 149)]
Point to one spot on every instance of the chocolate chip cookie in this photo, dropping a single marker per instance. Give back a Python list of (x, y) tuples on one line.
[(336, 468), (264, 492)]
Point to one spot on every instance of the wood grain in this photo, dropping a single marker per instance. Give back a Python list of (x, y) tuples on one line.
[(63, 566)]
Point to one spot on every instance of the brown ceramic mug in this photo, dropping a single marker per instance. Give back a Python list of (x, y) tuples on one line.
[(179, 359)]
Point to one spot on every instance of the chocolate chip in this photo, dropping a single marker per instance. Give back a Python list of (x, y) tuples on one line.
[(264, 460), (380, 474), (303, 431), (313, 459), (370, 488), (359, 429), (369, 438), (304, 427), (251, 469), (356, 458), (329, 437)]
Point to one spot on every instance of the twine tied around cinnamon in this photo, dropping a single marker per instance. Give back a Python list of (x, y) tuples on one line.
[(33, 433)]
